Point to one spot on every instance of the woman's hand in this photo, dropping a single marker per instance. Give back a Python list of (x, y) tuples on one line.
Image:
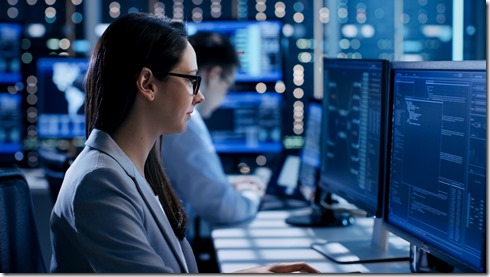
[(298, 267)]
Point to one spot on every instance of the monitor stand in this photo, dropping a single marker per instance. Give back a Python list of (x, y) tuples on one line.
[(321, 216), (423, 262), (378, 249)]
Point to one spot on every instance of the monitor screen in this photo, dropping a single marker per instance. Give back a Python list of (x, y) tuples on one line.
[(61, 97), (355, 97), (437, 179), (257, 42), (310, 154), (10, 52), (247, 122), (355, 115), (10, 127)]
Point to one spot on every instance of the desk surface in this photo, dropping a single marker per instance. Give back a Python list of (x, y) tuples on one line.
[(269, 239)]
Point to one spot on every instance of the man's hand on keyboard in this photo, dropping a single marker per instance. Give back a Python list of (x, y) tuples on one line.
[(248, 182)]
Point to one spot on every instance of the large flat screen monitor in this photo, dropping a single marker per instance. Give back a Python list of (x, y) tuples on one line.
[(61, 97), (257, 42), (11, 130), (355, 105), (247, 122), (437, 180), (10, 52)]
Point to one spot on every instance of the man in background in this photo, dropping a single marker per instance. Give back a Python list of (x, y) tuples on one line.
[(190, 159)]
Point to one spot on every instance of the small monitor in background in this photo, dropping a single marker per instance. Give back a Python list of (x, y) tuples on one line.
[(309, 169), (353, 160), (11, 127), (257, 42), (247, 122), (10, 52), (310, 154), (437, 189), (61, 97)]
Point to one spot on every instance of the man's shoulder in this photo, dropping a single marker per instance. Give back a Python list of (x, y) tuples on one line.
[(196, 134)]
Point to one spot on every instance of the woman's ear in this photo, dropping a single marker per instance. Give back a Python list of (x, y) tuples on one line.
[(145, 84)]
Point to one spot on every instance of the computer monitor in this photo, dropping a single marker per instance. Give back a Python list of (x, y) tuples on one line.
[(309, 167), (247, 122), (436, 194), (11, 128), (10, 52), (257, 42), (61, 97), (355, 105), (308, 175)]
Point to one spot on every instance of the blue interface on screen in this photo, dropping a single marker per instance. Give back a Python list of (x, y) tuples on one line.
[(258, 44), (61, 97), (10, 123), (438, 160), (10, 52), (247, 122), (353, 112)]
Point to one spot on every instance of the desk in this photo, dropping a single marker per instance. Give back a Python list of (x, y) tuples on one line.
[(268, 239)]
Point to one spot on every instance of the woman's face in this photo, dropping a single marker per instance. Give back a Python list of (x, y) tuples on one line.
[(175, 97)]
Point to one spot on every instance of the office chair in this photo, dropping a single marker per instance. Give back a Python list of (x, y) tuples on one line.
[(20, 250)]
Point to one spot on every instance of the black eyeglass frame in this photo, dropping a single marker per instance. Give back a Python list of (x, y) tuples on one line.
[(196, 80)]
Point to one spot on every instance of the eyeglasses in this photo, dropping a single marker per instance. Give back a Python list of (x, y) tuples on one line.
[(195, 79)]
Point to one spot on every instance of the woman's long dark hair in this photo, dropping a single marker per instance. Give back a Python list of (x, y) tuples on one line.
[(130, 43)]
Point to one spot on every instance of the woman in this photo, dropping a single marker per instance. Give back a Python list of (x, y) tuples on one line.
[(116, 211)]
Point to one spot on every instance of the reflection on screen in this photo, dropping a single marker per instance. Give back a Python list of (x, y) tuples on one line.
[(258, 44), (437, 189), (247, 122), (10, 51), (61, 97)]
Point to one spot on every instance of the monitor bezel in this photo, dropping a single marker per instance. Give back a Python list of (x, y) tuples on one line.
[(477, 65), (385, 100)]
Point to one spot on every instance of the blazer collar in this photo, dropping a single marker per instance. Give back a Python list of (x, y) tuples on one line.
[(103, 142)]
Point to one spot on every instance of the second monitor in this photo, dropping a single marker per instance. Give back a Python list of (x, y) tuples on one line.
[(353, 159)]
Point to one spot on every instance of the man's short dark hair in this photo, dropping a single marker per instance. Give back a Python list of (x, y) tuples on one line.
[(214, 49)]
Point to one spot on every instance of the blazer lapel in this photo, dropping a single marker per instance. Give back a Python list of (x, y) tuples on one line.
[(160, 218), (104, 143)]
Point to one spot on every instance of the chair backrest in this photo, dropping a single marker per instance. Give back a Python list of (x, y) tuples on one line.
[(20, 250)]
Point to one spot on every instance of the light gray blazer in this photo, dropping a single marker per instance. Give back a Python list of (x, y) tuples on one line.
[(107, 219)]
